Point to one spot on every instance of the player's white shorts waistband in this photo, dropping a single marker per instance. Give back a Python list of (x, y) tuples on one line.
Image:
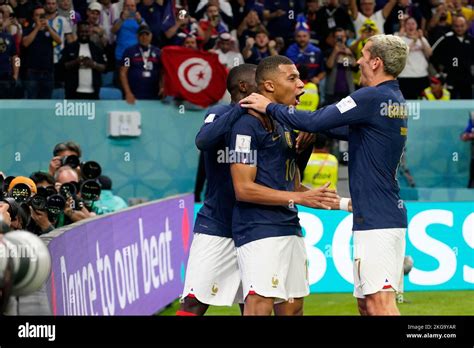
[(378, 260), (274, 267), (212, 274)]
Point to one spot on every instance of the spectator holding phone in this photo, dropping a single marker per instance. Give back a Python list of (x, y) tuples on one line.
[(126, 28), (414, 78), (84, 62), (212, 26), (340, 64), (38, 56)]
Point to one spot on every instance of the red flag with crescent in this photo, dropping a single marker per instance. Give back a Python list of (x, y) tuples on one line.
[(196, 76)]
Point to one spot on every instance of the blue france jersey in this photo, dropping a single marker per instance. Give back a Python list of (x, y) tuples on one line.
[(215, 216), (377, 129), (274, 155)]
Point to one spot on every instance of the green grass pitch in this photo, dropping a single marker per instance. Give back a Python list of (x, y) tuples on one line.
[(416, 303)]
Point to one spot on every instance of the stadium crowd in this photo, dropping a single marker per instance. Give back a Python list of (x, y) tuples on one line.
[(72, 48)]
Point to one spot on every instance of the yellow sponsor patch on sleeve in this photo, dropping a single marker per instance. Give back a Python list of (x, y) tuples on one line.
[(403, 131)]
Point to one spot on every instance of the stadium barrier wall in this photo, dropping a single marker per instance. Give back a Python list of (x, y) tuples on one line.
[(163, 160), (127, 263), (440, 239)]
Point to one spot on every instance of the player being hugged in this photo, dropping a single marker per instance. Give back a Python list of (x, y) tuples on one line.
[(270, 248), (212, 275), (376, 122)]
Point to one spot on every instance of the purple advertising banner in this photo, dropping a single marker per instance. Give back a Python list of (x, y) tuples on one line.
[(127, 263)]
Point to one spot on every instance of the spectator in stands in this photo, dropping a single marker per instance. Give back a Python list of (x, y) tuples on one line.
[(153, 13), (108, 202), (66, 10), (60, 151), (260, 47), (340, 66), (109, 14), (84, 63), (367, 11), (23, 11), (38, 56), (241, 9), (224, 9), (98, 36), (402, 10), (280, 21), (312, 19), (212, 25), (185, 25), (11, 25), (322, 166), (438, 25), (457, 9), (368, 29), (60, 25), (453, 55), (330, 17), (309, 101), (9, 66), (225, 50), (140, 72), (126, 28), (190, 41), (468, 135), (304, 52), (436, 91), (249, 27), (414, 77)]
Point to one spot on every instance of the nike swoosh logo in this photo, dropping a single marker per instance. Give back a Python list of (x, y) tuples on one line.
[(276, 137)]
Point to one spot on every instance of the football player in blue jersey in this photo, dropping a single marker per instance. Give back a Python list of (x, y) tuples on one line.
[(212, 276), (270, 247), (375, 118)]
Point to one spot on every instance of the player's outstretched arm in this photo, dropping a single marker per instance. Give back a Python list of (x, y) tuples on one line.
[(247, 190), (350, 110), (216, 126)]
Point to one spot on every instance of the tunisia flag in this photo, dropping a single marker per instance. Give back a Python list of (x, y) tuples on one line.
[(195, 76)]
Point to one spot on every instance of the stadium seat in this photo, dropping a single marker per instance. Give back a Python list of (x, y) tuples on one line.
[(110, 93), (108, 79), (58, 93)]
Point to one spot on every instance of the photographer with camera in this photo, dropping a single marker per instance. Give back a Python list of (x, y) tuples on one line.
[(74, 209), (61, 154), (38, 56), (340, 65), (43, 217)]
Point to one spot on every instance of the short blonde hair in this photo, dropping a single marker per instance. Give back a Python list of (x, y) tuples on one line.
[(392, 50)]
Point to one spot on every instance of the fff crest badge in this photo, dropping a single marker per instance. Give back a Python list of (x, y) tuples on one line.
[(288, 139)]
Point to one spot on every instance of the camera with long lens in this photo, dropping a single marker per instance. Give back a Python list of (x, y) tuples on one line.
[(25, 265), (89, 187), (48, 200), (72, 161)]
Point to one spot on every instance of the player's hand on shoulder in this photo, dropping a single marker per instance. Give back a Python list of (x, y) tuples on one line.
[(256, 102)]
